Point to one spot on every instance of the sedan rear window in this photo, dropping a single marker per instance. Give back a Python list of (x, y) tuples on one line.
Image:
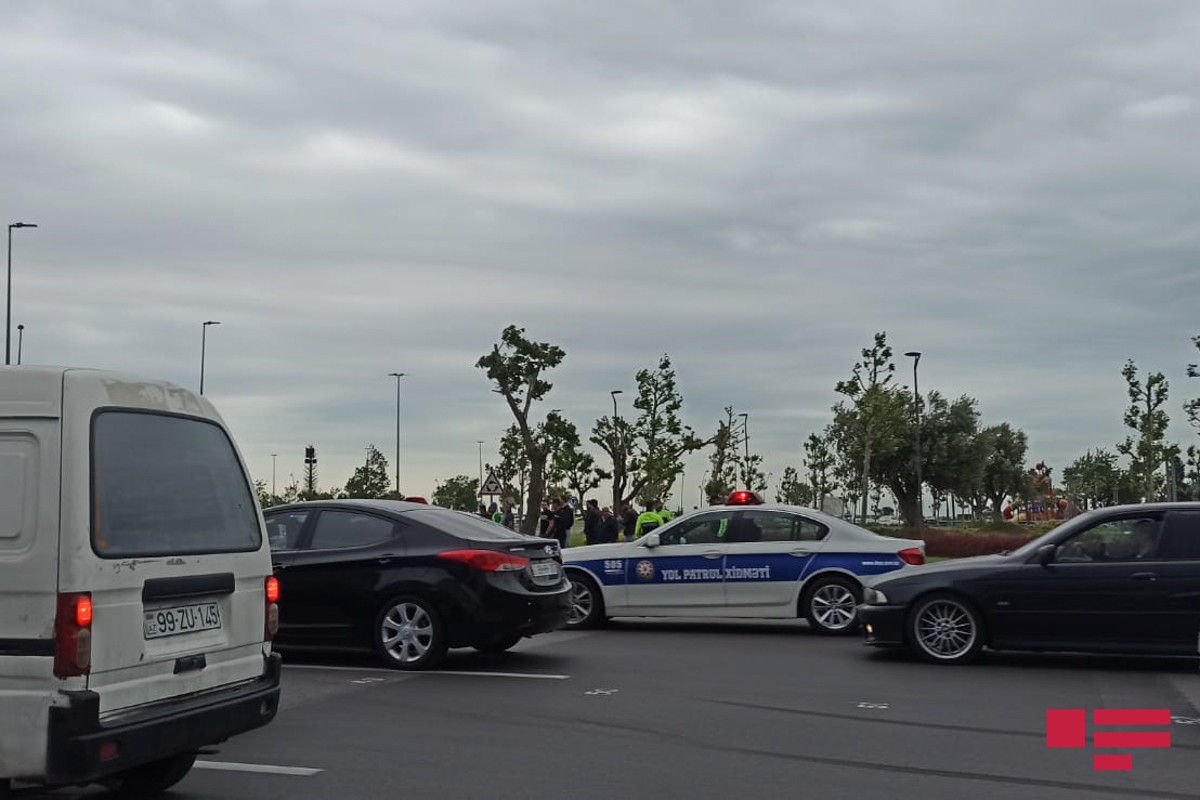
[(167, 485), (464, 525)]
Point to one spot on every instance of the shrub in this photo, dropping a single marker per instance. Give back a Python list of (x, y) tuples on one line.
[(960, 543)]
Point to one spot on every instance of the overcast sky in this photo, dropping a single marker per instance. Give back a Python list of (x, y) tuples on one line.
[(755, 188)]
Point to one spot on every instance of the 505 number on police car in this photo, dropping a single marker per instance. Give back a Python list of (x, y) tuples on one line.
[(181, 619)]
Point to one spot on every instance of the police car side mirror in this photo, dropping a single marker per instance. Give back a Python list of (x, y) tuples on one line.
[(651, 541)]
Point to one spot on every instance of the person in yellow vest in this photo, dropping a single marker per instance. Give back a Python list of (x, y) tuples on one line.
[(647, 521), (665, 513)]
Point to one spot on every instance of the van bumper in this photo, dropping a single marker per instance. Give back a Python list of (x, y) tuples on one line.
[(79, 747)]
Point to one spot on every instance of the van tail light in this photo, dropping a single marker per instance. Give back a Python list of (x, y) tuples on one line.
[(912, 555), (271, 595), (487, 560), (73, 635)]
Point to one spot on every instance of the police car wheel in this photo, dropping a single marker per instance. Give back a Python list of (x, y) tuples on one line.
[(945, 629), (831, 606), (409, 633), (587, 604)]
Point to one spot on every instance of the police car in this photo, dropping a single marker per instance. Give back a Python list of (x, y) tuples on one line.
[(741, 559)]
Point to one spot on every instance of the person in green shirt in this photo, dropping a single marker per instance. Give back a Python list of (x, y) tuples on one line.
[(647, 521)]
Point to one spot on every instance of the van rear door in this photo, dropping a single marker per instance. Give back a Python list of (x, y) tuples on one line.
[(166, 536)]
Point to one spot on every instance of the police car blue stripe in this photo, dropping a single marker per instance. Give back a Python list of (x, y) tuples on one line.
[(734, 568)]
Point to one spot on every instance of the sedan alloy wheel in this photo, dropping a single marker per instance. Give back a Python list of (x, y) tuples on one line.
[(409, 635)]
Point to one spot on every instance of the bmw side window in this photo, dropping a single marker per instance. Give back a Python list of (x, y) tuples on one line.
[(1181, 537), (808, 531), (764, 526), (706, 529), (336, 530), (283, 529), (1133, 539)]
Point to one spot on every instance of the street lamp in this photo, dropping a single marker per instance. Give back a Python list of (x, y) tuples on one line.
[(746, 440), (273, 457), (8, 294), (203, 347), (916, 357), (20, 342), (480, 443), (397, 376)]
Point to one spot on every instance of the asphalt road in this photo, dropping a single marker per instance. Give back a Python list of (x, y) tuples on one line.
[(701, 710)]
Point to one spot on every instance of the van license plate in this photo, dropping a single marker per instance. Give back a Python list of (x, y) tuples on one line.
[(181, 619)]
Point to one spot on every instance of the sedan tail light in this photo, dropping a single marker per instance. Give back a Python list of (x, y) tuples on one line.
[(912, 555), (487, 560)]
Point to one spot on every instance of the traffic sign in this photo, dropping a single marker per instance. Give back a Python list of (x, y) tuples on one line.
[(492, 485)]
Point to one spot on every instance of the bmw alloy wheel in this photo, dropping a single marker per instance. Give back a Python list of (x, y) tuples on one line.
[(946, 630), (831, 606)]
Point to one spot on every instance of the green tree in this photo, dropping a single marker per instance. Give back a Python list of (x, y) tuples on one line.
[(660, 439), (513, 469), (723, 461), (1147, 418), (1004, 469), (614, 435), (460, 493), (948, 448), (820, 460), (515, 367), (867, 428), (370, 481), (1192, 407), (569, 464), (1093, 479), (793, 490)]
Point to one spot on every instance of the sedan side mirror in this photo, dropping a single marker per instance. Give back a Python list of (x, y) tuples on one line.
[(651, 541), (1046, 554)]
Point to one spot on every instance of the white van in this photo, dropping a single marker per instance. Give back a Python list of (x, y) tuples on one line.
[(137, 603)]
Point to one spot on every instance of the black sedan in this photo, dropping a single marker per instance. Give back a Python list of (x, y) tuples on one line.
[(410, 580), (1119, 579)]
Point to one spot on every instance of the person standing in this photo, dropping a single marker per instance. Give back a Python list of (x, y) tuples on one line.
[(610, 526), (591, 523), (647, 521), (508, 520), (544, 519), (564, 520), (628, 522)]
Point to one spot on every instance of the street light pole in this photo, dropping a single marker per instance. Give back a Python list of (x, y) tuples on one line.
[(8, 294), (916, 357), (480, 443), (20, 342), (397, 376), (273, 457), (203, 348)]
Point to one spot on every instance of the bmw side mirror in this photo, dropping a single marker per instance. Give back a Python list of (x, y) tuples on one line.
[(651, 541), (1046, 554)]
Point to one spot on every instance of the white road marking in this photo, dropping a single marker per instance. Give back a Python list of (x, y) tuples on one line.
[(399, 674), (872, 705), (602, 691), (264, 768), (348, 669), (495, 674)]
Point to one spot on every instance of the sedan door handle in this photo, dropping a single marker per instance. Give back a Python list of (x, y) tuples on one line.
[(1144, 576), (713, 554)]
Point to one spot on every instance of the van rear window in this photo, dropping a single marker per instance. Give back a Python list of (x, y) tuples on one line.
[(167, 485)]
